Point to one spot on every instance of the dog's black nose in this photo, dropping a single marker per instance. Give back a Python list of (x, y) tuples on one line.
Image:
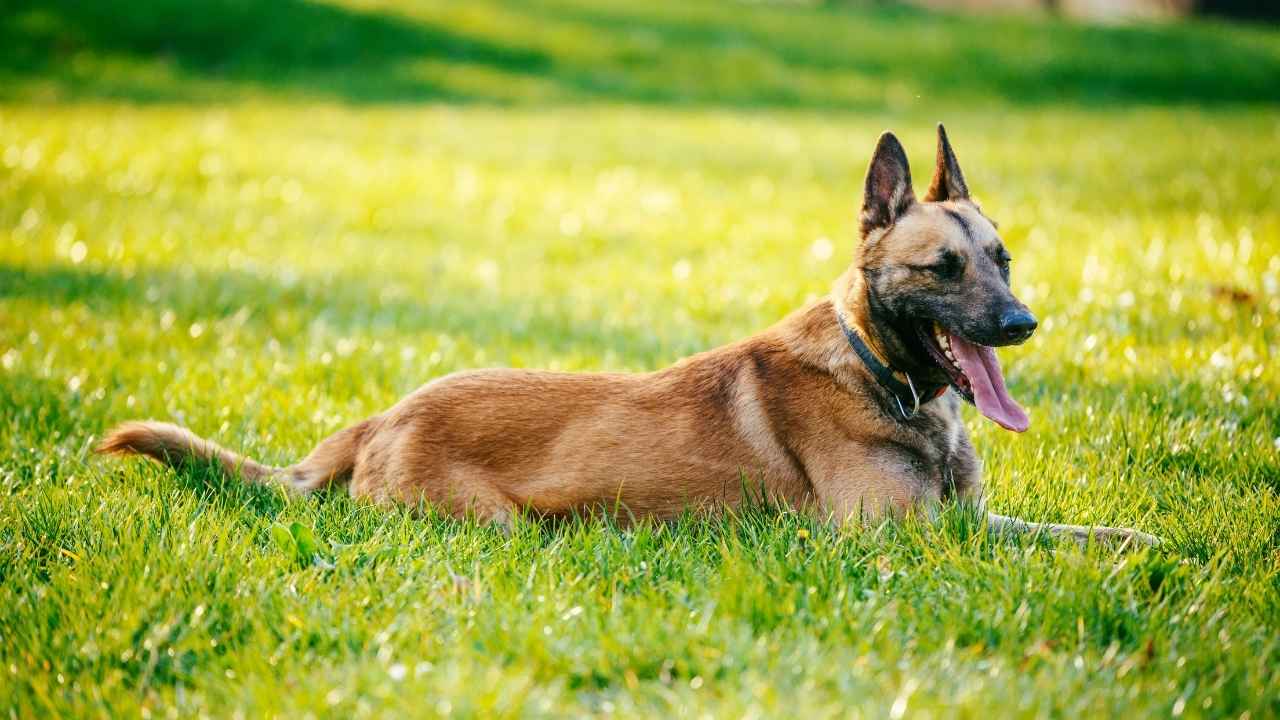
[(1017, 325)]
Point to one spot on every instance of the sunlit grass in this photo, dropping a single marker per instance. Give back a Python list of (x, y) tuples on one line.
[(272, 270)]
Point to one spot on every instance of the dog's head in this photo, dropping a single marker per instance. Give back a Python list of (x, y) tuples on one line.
[(936, 278)]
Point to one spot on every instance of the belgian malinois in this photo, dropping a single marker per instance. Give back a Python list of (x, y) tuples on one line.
[(848, 408)]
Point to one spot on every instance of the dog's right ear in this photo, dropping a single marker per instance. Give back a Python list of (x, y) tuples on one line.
[(948, 182), (888, 192)]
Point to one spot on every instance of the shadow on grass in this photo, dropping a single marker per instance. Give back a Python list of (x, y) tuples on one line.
[(280, 45), (836, 56), (1014, 59), (345, 304), (36, 413)]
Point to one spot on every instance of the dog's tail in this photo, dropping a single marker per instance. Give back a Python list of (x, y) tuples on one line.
[(330, 463)]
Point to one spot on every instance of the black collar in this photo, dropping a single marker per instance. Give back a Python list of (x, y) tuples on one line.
[(888, 377)]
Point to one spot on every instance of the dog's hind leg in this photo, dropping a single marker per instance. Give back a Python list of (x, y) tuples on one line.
[(397, 465), (1080, 533)]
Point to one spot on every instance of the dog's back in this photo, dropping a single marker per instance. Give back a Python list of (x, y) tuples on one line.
[(649, 444)]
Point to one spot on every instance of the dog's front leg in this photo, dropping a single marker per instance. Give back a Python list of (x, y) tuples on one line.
[(1122, 537)]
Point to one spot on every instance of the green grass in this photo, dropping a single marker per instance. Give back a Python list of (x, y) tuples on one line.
[(270, 220)]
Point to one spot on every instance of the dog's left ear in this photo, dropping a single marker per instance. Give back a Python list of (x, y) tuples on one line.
[(948, 181)]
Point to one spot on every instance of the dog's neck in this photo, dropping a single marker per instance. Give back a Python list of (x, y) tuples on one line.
[(815, 336), (855, 302)]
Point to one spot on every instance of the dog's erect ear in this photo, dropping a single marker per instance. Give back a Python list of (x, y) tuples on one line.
[(888, 192), (948, 181)]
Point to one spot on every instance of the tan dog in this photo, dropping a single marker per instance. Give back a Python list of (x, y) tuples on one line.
[(842, 409)]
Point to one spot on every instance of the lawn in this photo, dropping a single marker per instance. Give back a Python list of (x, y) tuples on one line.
[(270, 220)]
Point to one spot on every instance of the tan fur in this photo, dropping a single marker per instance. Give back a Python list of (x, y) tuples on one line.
[(790, 412), (169, 444), (331, 461)]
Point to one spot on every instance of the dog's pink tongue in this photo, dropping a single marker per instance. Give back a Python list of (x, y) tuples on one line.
[(989, 393)]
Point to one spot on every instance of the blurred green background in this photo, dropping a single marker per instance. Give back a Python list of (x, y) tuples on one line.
[(833, 56), (268, 220)]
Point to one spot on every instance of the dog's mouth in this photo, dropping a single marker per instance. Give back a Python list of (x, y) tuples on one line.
[(974, 372)]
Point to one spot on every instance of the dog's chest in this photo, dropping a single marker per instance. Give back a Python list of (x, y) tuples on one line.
[(948, 467)]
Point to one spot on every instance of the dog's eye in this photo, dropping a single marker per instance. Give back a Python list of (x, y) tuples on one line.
[(949, 266)]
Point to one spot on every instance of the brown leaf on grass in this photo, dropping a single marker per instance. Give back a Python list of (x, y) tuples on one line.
[(1233, 294)]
